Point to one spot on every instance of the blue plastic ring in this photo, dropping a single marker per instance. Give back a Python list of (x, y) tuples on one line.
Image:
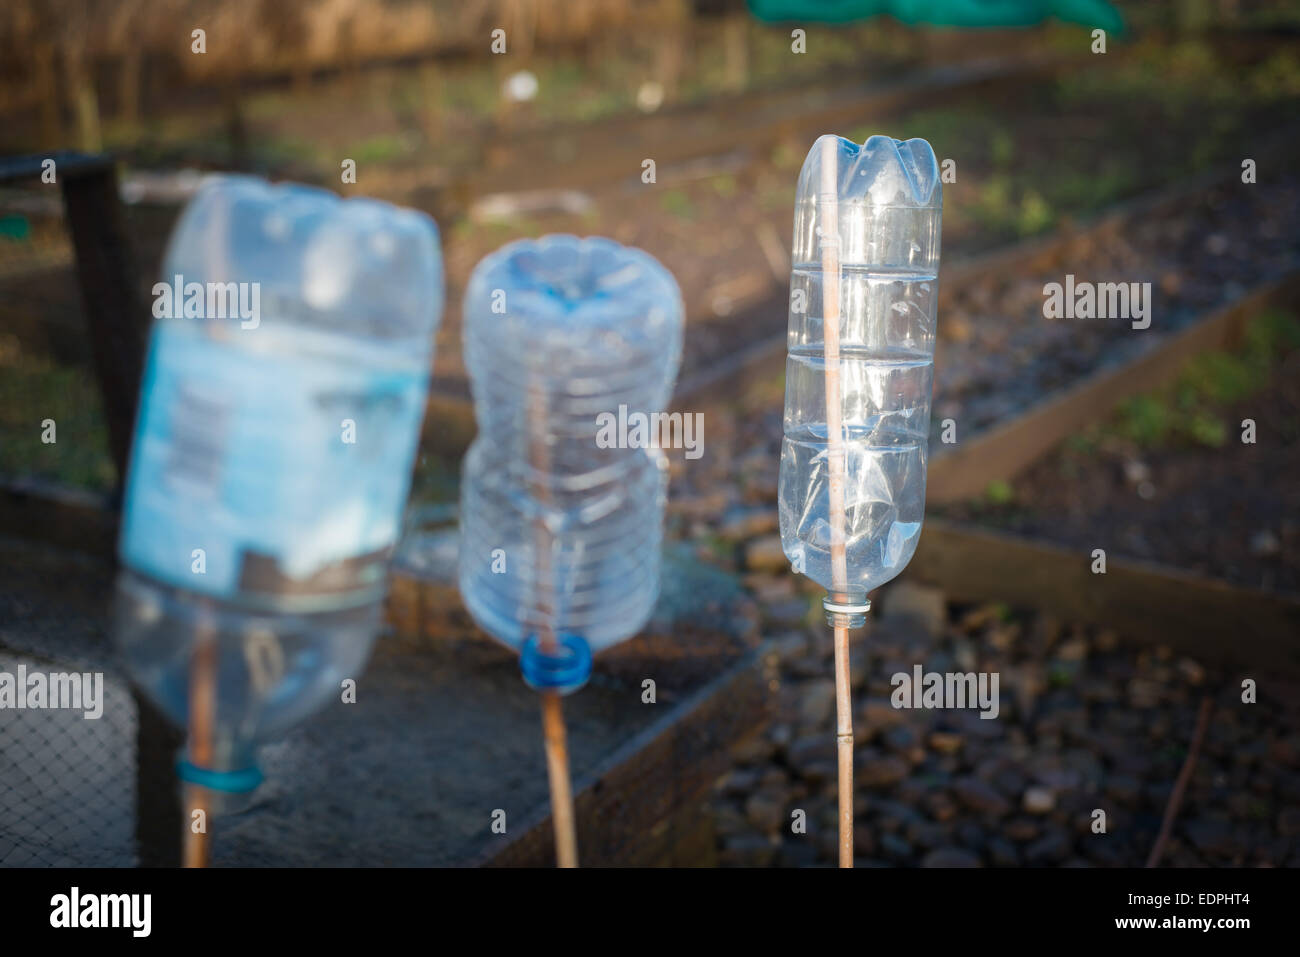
[(564, 672), (234, 782)]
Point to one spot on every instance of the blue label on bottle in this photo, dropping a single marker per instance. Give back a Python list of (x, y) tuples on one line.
[(263, 473)]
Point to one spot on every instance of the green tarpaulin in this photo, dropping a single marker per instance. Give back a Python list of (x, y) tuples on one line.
[(952, 13), (15, 227)]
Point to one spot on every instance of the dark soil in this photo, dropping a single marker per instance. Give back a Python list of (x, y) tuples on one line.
[(999, 355), (1231, 512)]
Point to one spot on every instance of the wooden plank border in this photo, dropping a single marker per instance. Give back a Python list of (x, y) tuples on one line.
[(966, 470), (636, 808), (1208, 619)]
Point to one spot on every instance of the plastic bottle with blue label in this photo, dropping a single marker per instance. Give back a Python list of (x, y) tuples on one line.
[(279, 420)]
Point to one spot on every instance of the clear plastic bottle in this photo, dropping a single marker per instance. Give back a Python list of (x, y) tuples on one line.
[(879, 211), (272, 457), (561, 522)]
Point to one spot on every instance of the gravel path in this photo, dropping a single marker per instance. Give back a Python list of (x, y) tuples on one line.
[(1087, 723)]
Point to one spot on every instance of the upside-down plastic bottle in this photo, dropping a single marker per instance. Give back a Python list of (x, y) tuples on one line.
[(279, 418), (860, 364), (561, 520)]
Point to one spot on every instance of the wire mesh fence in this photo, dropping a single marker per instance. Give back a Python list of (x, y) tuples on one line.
[(71, 319), (67, 781)]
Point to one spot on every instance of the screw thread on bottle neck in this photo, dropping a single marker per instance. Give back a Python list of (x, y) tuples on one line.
[(847, 609)]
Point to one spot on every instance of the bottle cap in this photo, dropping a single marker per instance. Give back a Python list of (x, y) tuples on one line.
[(235, 782), (565, 669)]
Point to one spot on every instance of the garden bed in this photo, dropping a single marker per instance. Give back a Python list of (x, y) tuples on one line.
[(1169, 479)]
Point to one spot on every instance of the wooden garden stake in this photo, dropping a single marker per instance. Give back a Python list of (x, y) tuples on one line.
[(203, 712), (835, 453), (557, 750)]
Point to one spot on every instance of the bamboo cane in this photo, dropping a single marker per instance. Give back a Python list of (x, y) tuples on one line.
[(830, 250), (553, 736), (557, 773), (201, 737), (203, 709)]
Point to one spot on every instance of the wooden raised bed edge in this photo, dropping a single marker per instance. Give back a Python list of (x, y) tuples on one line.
[(1205, 618), (644, 804), (965, 470)]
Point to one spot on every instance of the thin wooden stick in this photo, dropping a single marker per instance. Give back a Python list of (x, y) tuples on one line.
[(203, 710), (1180, 785), (557, 772), (844, 737), (197, 848), (830, 249), (553, 736)]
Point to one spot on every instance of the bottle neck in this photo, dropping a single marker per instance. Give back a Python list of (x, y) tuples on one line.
[(846, 609)]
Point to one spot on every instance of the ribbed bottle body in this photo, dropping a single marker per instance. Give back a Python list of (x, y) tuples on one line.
[(882, 227), (561, 517)]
